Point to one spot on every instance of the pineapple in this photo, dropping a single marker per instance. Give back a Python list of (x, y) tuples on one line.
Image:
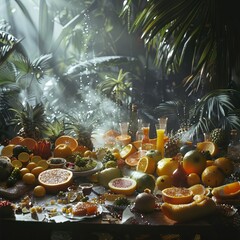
[(171, 148), (31, 119), (220, 137)]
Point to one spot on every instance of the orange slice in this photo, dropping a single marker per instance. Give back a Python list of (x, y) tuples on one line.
[(43, 163), (7, 150), (30, 143), (132, 160), (146, 165), (127, 150), (208, 146), (16, 163), (198, 189), (177, 195), (36, 158), (231, 187), (68, 140), (23, 157)]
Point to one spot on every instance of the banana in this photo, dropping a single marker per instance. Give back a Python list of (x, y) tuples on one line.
[(227, 191), (200, 207)]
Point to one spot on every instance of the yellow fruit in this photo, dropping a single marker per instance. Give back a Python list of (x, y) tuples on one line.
[(127, 150), (62, 150), (36, 158), (37, 170), (193, 178), (68, 140), (123, 185), (23, 157), (227, 191), (7, 150), (87, 153), (163, 182), (208, 146), (212, 176), (39, 191), (29, 178), (166, 166), (132, 160), (31, 165), (16, 163), (225, 164), (177, 195), (198, 189), (43, 164), (24, 170), (146, 165)]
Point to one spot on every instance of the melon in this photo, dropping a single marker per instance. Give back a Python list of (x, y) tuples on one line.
[(123, 185), (56, 179)]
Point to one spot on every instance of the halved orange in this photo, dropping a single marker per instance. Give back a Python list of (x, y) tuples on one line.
[(198, 189), (30, 143), (43, 163), (68, 140), (36, 158), (146, 165), (16, 163), (177, 195), (23, 157), (132, 160), (208, 146), (80, 149), (62, 150)]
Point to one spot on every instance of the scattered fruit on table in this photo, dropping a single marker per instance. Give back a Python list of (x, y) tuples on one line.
[(133, 159), (106, 175), (146, 165), (127, 150), (164, 181), (166, 166)]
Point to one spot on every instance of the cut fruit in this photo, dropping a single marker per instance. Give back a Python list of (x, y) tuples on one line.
[(123, 139), (133, 159), (68, 140), (227, 191), (62, 150), (123, 185), (31, 166), (56, 179), (7, 150), (198, 189), (16, 163), (43, 164), (146, 165), (177, 195), (36, 158), (16, 140), (23, 157), (127, 151), (30, 143), (208, 146)]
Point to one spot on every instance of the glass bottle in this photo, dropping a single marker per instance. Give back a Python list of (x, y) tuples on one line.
[(133, 122), (233, 150), (145, 138), (139, 133)]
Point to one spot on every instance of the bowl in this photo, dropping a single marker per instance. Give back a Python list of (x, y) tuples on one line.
[(56, 162)]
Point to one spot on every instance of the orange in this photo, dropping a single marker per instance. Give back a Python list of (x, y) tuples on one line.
[(123, 139), (7, 150), (43, 163), (116, 155), (146, 165), (80, 149), (29, 178), (212, 176), (208, 146), (30, 143), (193, 178), (225, 164), (24, 170), (16, 140), (62, 150), (23, 157), (127, 150), (177, 195), (36, 158), (39, 191), (16, 163), (87, 153), (231, 187), (37, 170), (132, 160), (68, 140), (31, 166)]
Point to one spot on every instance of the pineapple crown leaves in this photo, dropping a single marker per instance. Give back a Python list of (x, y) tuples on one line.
[(29, 115), (55, 128)]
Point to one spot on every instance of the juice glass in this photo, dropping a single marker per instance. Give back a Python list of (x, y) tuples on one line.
[(160, 129), (145, 137)]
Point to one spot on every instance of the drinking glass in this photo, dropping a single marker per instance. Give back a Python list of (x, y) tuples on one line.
[(160, 129), (124, 138), (145, 137)]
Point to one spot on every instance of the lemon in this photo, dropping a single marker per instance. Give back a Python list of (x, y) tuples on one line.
[(39, 191), (166, 166), (17, 163), (146, 165), (163, 182)]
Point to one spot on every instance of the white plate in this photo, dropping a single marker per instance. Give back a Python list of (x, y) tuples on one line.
[(88, 172), (70, 216)]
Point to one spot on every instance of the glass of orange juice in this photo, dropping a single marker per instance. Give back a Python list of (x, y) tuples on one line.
[(161, 128), (145, 135)]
